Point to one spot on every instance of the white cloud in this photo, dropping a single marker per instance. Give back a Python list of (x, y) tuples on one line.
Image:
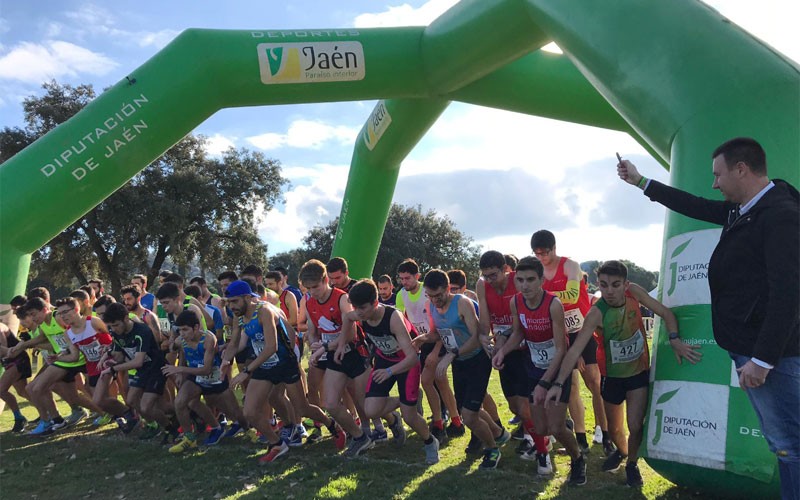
[(156, 39), (306, 134), (34, 63), (218, 144), (404, 15)]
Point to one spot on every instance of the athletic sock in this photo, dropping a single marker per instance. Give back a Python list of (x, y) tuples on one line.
[(18, 414), (457, 421), (581, 437), (439, 424), (379, 426), (606, 437), (539, 442), (429, 440)]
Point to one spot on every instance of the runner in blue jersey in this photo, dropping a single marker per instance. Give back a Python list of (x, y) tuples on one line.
[(199, 368), (455, 322), (259, 325)]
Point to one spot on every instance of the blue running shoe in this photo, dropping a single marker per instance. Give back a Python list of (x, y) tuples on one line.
[(379, 436), (233, 430), (44, 428), (215, 436)]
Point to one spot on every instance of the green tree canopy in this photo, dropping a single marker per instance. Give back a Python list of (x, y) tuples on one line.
[(432, 240), (185, 206)]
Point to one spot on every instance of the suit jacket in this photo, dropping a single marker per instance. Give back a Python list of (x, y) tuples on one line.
[(753, 272)]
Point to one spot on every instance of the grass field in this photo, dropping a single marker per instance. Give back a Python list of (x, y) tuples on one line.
[(86, 462)]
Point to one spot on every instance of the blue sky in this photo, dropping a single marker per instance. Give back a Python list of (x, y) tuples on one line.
[(489, 154)]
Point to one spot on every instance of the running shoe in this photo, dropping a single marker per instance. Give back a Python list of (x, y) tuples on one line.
[(339, 436), (379, 436), (130, 424), (215, 436), (525, 446), (43, 429), (454, 430), (544, 467), (302, 429), (613, 462), (439, 434), (296, 438), (102, 420), (59, 423), (314, 436), (286, 432), (504, 438), (222, 419), (171, 435), (275, 452), (256, 437), (519, 433), (183, 445), (398, 430), (33, 423), (474, 447), (490, 458), (514, 420), (609, 447), (76, 416), (598, 435), (358, 445), (233, 430), (577, 471), (432, 452), (633, 476), (19, 425), (151, 430)]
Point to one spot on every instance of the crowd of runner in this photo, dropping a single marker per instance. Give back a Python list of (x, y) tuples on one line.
[(163, 365)]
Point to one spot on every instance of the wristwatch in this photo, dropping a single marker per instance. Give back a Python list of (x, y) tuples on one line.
[(674, 335)]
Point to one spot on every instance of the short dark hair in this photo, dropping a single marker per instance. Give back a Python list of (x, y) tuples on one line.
[(67, 301), (227, 275), (79, 294), (40, 292), (613, 268), (457, 277), (363, 292), (89, 291), (436, 278), (281, 270), (187, 318), (193, 291), (337, 264), (131, 289), (141, 277), (174, 278), (105, 300), (511, 260), (530, 263), (18, 300), (168, 290), (198, 280), (115, 312), (743, 149), (492, 258), (253, 270), (385, 278), (35, 303), (409, 266), (274, 275), (96, 281), (543, 239), (164, 273)]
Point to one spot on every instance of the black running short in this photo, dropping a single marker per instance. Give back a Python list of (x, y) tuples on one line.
[(614, 389), (470, 380)]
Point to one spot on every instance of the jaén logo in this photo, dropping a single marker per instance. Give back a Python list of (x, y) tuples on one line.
[(313, 62)]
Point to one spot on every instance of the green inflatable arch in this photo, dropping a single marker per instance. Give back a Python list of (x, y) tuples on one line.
[(676, 76)]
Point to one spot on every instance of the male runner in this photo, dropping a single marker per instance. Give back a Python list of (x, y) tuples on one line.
[(495, 289), (147, 299), (386, 293), (131, 297), (538, 319), (624, 360), (563, 277), (89, 334), (412, 301), (458, 284), (339, 275), (455, 323), (17, 371), (334, 352), (395, 360)]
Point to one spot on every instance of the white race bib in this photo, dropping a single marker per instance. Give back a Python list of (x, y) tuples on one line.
[(625, 351), (92, 351), (386, 344), (542, 353), (61, 341), (330, 337), (504, 330), (573, 320), (422, 327), (215, 377), (163, 323), (258, 346), (448, 338)]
